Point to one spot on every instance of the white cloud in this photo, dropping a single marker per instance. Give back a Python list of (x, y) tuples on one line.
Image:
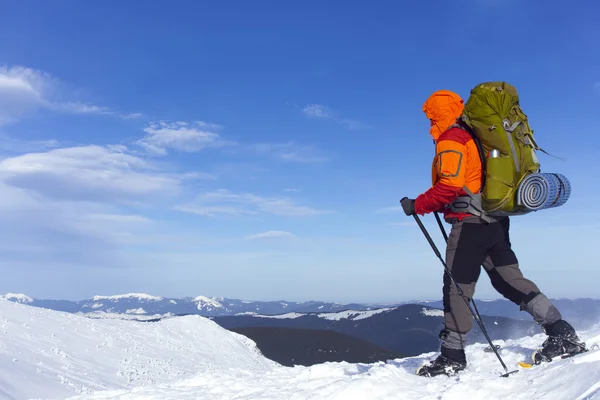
[(197, 136), (316, 111), (182, 136), (291, 152), (23, 90), (323, 112), (78, 108), (597, 85), (62, 227), (229, 203), (271, 235), (87, 172)]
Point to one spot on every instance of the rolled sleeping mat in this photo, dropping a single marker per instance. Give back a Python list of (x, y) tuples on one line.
[(541, 191)]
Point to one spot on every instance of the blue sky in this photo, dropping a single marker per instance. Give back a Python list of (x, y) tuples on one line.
[(258, 150)]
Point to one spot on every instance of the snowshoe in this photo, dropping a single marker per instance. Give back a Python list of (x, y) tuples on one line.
[(562, 342), (449, 363)]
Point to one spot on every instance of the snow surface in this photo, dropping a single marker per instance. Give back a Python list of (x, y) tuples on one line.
[(47, 354), (139, 296), (292, 315), (124, 316), (352, 314), (207, 302), (576, 378), (432, 312), (331, 316), (18, 297), (135, 311)]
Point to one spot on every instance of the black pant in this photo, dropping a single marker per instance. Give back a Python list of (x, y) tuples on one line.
[(471, 244)]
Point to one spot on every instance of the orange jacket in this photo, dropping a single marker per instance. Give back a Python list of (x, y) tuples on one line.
[(456, 163)]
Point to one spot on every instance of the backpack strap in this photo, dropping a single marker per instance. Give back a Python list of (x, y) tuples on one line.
[(471, 203)]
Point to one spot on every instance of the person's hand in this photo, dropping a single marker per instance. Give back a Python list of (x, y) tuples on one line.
[(408, 205)]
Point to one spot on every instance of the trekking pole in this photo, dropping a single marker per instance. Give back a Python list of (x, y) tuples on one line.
[(461, 293), (445, 235), (441, 225)]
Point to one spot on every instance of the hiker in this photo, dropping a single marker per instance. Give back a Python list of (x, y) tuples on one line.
[(474, 241)]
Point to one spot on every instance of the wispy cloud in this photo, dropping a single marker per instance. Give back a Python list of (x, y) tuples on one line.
[(162, 136), (63, 200), (271, 235), (290, 151), (23, 90), (198, 136), (320, 111), (87, 172), (225, 202), (316, 111), (597, 86)]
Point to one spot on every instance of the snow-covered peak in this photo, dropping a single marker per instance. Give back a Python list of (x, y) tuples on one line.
[(137, 296), (293, 315), (432, 312), (204, 302), (18, 297), (47, 354), (352, 314)]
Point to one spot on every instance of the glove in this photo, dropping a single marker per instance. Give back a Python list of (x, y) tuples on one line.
[(408, 205)]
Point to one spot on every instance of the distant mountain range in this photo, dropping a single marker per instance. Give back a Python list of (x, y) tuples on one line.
[(313, 332), (409, 329), (145, 304), (294, 346), (583, 313)]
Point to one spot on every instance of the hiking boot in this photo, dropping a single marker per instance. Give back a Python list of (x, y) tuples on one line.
[(562, 341), (450, 362)]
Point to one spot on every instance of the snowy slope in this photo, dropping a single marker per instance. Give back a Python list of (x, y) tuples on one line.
[(48, 354), (577, 378), (52, 355)]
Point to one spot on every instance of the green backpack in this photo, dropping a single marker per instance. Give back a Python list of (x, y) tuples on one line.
[(506, 144)]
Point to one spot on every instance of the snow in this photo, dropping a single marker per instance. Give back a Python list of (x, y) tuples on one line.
[(47, 354), (138, 296), (97, 305), (335, 316), (432, 312), (109, 315), (575, 378), (207, 302), (135, 311), (65, 356), (18, 297), (293, 315), (352, 314)]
